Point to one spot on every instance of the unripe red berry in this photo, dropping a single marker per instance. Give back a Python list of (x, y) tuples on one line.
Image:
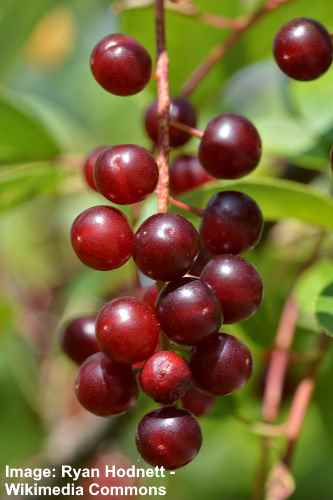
[(237, 285), (230, 147), (102, 238), (168, 437), (181, 110), (221, 364), (127, 330), (303, 49), (78, 339), (121, 65), (165, 377), (165, 246), (188, 311), (126, 174), (105, 387)]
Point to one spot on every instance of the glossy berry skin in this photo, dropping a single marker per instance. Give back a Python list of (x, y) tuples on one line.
[(203, 257), (188, 311), (221, 364), (105, 387), (89, 166), (149, 295), (303, 49), (168, 437), (126, 174), (197, 402), (127, 330), (230, 147), (186, 173), (78, 339), (165, 377), (182, 111), (102, 238), (121, 65), (237, 285), (165, 246), (232, 223)]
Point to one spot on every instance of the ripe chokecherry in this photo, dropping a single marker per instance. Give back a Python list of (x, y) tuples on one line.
[(197, 402), (237, 285), (78, 339), (230, 147), (165, 377), (89, 166), (232, 223), (202, 259), (105, 387), (165, 246), (125, 174), (303, 49), (181, 110), (168, 437), (186, 173), (121, 65), (149, 295), (188, 311), (221, 364), (127, 330), (102, 238)]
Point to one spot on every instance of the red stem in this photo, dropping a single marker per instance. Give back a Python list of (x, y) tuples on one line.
[(190, 130), (163, 107), (184, 206)]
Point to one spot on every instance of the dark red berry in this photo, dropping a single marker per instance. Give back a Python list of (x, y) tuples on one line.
[(230, 147), (126, 174), (221, 364), (165, 377), (165, 246), (89, 166), (237, 285), (168, 437), (105, 387), (232, 223), (197, 402), (127, 330), (102, 238), (303, 49), (121, 65), (186, 173), (182, 111), (78, 339), (149, 295), (202, 259), (188, 311)]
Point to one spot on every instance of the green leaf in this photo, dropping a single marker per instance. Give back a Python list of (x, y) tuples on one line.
[(27, 182), (324, 309), (16, 24), (278, 199), (308, 291), (24, 137)]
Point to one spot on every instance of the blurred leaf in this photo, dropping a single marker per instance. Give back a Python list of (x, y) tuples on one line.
[(308, 290), (24, 137), (28, 182), (277, 199), (324, 308), (16, 24)]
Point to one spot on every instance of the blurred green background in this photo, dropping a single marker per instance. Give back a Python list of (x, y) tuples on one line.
[(51, 113)]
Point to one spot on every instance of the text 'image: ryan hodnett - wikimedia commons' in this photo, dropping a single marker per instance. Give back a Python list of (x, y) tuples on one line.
[(166, 249)]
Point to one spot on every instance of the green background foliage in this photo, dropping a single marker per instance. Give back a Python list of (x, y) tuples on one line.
[(52, 114)]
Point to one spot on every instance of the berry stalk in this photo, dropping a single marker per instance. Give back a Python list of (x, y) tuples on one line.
[(163, 108)]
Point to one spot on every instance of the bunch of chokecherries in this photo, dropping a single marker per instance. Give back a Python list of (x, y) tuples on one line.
[(201, 280)]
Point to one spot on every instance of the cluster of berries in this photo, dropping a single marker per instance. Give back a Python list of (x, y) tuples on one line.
[(201, 280)]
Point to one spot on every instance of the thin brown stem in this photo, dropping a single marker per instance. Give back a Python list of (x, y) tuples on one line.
[(302, 399), (279, 360), (184, 206), (185, 128), (218, 52), (163, 108)]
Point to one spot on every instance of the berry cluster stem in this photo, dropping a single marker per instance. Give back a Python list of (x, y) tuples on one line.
[(218, 52), (163, 107)]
